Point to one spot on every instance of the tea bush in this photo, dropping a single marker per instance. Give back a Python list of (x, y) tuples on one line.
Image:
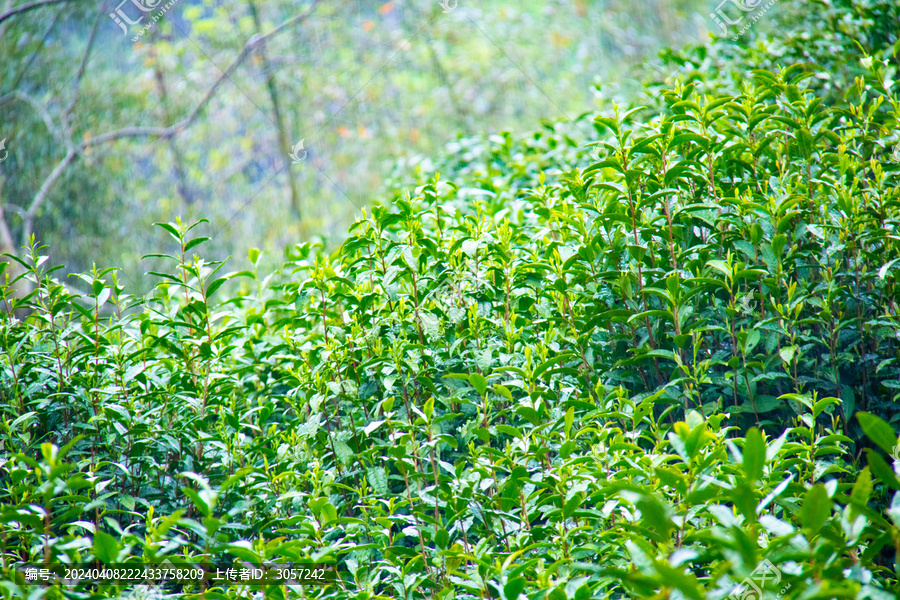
[(662, 365)]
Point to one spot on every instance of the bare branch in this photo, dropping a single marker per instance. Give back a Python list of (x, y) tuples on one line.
[(292, 21), (40, 109), (283, 141), (176, 128), (27, 7), (39, 198), (127, 132), (163, 132), (251, 44), (34, 54), (83, 66)]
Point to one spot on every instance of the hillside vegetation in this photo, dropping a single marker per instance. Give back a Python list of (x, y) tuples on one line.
[(638, 368)]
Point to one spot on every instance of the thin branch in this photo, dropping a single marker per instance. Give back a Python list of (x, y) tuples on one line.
[(13, 207), (40, 109), (179, 162), (83, 66), (132, 132), (34, 54), (283, 140), (165, 132), (27, 7), (39, 198), (292, 21)]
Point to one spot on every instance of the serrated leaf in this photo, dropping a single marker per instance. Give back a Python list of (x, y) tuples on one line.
[(877, 430), (378, 480), (479, 383), (815, 509), (106, 547), (754, 454), (194, 243)]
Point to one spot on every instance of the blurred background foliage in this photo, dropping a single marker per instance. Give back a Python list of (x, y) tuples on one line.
[(370, 88)]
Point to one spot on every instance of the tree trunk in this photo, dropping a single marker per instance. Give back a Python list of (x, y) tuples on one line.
[(22, 287), (283, 142)]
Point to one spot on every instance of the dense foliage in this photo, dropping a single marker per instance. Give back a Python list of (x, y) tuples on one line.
[(640, 368)]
